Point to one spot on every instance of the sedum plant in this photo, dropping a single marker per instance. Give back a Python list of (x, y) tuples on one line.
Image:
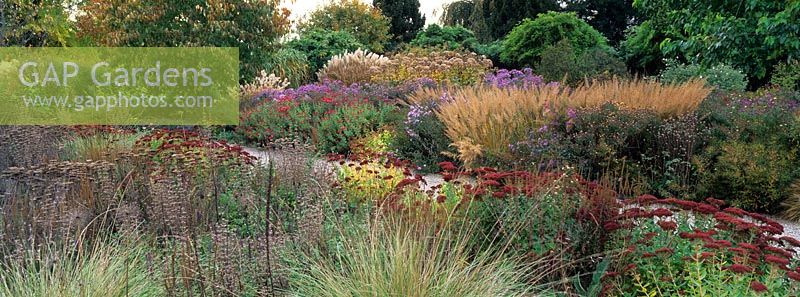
[(453, 67)]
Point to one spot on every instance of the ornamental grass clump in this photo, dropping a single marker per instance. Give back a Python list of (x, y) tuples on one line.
[(396, 256), (481, 122), (666, 100), (792, 204), (103, 268), (353, 67), (261, 83)]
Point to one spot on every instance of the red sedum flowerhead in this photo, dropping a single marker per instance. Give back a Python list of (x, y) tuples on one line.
[(758, 287), (739, 268)]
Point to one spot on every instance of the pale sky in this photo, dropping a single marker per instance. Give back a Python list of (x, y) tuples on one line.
[(431, 8)]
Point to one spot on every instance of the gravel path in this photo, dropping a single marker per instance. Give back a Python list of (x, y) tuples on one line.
[(791, 229)]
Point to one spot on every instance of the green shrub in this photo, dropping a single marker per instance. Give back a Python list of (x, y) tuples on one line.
[(344, 124), (524, 45), (766, 116), (330, 122), (290, 64), (561, 63), (448, 37), (640, 48), (607, 143), (491, 50), (754, 176), (721, 77), (319, 45), (787, 75)]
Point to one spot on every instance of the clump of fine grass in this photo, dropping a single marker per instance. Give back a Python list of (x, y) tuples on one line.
[(486, 120), (792, 204), (398, 257), (667, 100), (99, 146), (105, 268)]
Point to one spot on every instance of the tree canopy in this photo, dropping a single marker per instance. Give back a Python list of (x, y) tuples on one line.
[(404, 16), (753, 36), (365, 22)]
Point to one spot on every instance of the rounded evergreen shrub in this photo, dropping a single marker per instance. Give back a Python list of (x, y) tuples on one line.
[(449, 37), (721, 77), (524, 45), (561, 63), (320, 45), (787, 75)]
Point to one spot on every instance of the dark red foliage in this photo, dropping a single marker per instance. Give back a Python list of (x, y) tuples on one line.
[(491, 183), (779, 251), (715, 202), (405, 182), (735, 211), (611, 226), (776, 260), (668, 225), (664, 250), (749, 246), (794, 242), (793, 275), (758, 287), (645, 199), (661, 212), (724, 243), (448, 166), (738, 250), (706, 208)]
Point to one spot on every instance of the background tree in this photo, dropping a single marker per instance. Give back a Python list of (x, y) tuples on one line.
[(749, 35), (493, 19), (251, 25), (610, 17), (450, 37), (404, 16), (36, 23), (363, 21), (320, 45), (525, 44)]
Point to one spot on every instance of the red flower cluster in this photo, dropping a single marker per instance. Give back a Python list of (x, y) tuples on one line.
[(761, 250)]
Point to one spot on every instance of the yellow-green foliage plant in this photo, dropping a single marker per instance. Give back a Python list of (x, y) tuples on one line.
[(483, 121), (375, 143), (667, 100), (356, 67), (397, 256), (452, 67), (369, 181), (105, 268)]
